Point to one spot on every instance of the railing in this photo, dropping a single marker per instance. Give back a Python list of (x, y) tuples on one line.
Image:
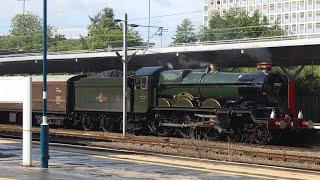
[(203, 43), (247, 40), (18, 54)]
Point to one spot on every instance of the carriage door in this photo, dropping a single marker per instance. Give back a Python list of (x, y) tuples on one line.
[(141, 95)]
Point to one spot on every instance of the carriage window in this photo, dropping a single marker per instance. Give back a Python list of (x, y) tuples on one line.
[(137, 83), (144, 82)]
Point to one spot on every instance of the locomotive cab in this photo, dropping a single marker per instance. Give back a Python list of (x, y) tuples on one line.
[(145, 83)]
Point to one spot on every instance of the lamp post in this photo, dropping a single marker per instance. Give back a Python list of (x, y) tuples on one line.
[(125, 69), (124, 76), (44, 127), (149, 24)]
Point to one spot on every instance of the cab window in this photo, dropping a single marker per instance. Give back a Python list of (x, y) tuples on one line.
[(144, 82), (137, 83)]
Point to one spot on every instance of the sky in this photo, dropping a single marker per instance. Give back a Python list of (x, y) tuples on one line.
[(70, 17)]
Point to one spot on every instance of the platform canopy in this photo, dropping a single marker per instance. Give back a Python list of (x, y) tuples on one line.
[(183, 57)]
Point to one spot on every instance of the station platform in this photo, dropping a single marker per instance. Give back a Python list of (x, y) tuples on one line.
[(74, 162)]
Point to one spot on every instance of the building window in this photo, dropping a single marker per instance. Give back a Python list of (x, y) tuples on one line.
[(317, 4), (286, 19), (224, 3), (294, 6), (258, 1), (278, 18), (294, 29), (309, 16), (294, 18), (271, 1), (301, 17), (309, 4), (301, 29), (271, 20), (286, 7), (317, 16), (230, 1), (279, 9), (301, 6), (286, 28), (271, 8), (244, 2), (251, 10), (265, 9), (258, 8), (318, 27), (309, 28), (264, 1)]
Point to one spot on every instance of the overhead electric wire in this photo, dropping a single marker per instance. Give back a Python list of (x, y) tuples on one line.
[(135, 19)]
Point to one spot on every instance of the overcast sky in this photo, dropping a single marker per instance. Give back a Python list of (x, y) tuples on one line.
[(71, 16)]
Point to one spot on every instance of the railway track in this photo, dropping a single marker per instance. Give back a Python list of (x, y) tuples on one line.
[(303, 158)]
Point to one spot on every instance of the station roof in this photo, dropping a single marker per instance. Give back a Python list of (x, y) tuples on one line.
[(282, 53)]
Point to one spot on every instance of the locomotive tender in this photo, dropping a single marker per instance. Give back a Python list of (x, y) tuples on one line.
[(208, 104)]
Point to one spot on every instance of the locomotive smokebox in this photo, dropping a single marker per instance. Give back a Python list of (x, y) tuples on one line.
[(264, 67)]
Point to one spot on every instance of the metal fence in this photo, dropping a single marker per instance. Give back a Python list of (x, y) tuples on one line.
[(248, 40), (202, 43), (310, 106)]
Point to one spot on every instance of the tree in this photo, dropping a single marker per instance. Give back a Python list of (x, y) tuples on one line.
[(26, 34), (103, 32), (237, 24), (185, 32)]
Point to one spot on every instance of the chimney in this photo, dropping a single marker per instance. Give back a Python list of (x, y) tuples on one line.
[(264, 67)]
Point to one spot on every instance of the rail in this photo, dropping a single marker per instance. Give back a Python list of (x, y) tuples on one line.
[(292, 157)]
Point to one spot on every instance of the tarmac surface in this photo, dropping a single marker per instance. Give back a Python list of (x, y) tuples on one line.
[(74, 162)]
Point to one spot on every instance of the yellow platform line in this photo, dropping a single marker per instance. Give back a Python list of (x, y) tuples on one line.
[(3, 141), (255, 172)]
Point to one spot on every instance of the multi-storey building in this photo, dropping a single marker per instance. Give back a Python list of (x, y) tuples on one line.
[(295, 16)]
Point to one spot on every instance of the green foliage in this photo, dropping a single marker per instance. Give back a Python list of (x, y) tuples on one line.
[(237, 24), (308, 82), (103, 32), (25, 35), (185, 32)]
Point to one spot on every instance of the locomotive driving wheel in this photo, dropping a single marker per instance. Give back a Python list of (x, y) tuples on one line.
[(105, 123), (87, 123), (158, 129), (261, 135), (184, 132)]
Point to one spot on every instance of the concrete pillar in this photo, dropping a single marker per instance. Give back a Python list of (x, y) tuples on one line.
[(27, 122)]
